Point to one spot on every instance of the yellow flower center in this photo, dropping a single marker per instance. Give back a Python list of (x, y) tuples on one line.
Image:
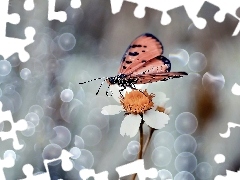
[(160, 109), (136, 102)]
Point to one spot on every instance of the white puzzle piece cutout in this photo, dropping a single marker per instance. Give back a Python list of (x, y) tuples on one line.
[(10, 45), (87, 173), (66, 166), (20, 125), (230, 125), (60, 15), (7, 162), (137, 167), (192, 9)]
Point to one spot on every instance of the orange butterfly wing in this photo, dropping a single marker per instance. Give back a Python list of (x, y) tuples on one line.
[(159, 64), (141, 50), (156, 69), (149, 78)]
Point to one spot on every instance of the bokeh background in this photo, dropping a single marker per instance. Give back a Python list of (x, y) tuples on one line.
[(62, 114)]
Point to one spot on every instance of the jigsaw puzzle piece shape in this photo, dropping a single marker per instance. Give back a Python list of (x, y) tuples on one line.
[(230, 176), (208, 11), (28, 171), (87, 173), (13, 45), (7, 162), (53, 15), (192, 8), (28, 5), (225, 7), (75, 4), (137, 167), (20, 125), (5, 17), (66, 166)]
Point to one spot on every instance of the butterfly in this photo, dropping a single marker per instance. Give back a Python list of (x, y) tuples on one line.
[(142, 63)]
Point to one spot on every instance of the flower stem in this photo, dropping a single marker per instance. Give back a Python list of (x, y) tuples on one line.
[(148, 140), (140, 154)]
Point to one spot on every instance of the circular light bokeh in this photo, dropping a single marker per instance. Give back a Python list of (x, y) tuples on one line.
[(161, 156), (214, 81), (197, 62), (52, 151), (5, 67), (91, 135), (32, 117), (185, 143), (186, 123), (76, 152), (79, 142), (163, 139), (179, 56), (66, 41), (25, 73), (204, 170), (128, 156), (63, 136), (85, 160), (164, 174), (186, 162), (133, 147), (37, 109), (184, 176), (30, 129), (66, 95)]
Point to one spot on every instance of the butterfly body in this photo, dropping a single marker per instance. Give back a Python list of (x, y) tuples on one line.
[(143, 63), (121, 80)]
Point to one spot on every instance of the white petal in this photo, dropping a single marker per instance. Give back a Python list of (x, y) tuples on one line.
[(111, 110), (115, 92), (130, 125), (155, 119), (168, 110), (160, 99), (141, 86)]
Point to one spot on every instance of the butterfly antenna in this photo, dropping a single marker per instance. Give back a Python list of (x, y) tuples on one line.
[(101, 86), (92, 80)]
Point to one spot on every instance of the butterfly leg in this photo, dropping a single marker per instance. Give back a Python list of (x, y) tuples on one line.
[(120, 91), (132, 86), (107, 92)]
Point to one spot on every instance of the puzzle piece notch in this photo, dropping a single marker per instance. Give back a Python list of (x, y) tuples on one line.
[(192, 9), (236, 89), (230, 125), (10, 45), (75, 4), (137, 167), (208, 11), (28, 5), (230, 176), (66, 166), (5, 17), (60, 15), (87, 173), (7, 162), (20, 125)]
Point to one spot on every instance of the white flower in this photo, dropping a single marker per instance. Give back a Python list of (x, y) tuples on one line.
[(138, 106)]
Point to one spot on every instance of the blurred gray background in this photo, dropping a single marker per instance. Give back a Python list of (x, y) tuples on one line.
[(90, 44)]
